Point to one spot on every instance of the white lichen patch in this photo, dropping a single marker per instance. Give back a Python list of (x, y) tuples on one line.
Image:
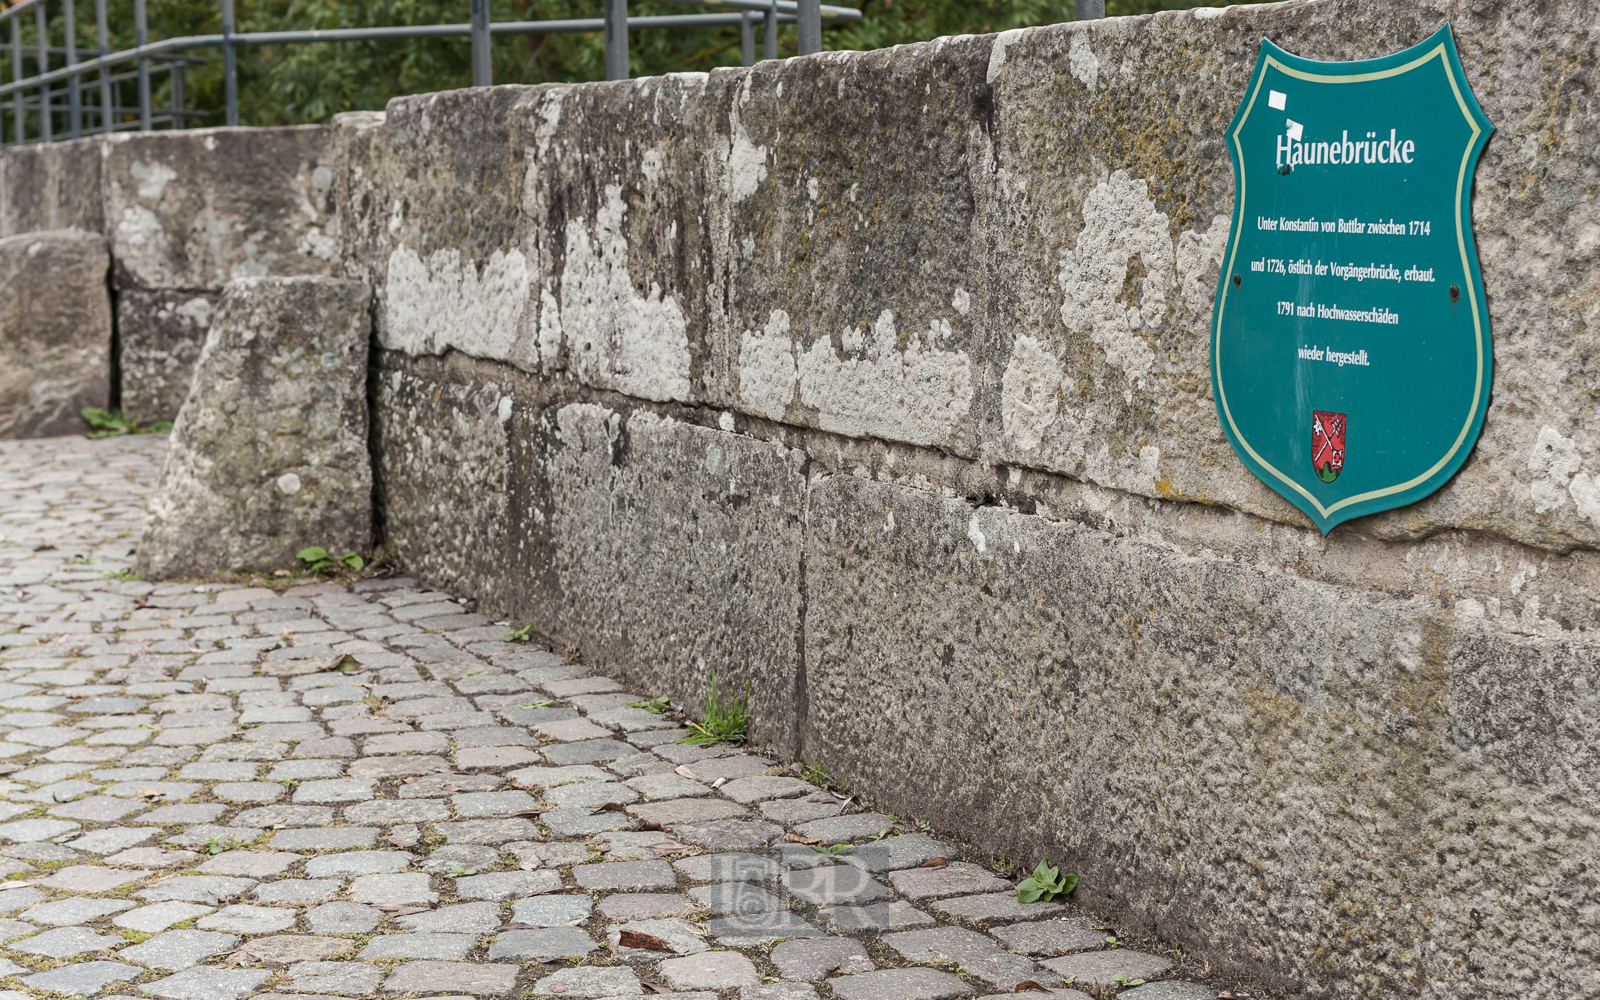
[(446, 302), (917, 395), (152, 178), (1081, 61), (1557, 471), (144, 248), (747, 162), (1030, 393), (767, 370), (1199, 261), (1119, 278), (997, 53), (617, 338)]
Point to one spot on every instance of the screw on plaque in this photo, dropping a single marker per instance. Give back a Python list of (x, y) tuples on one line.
[(1455, 293), (1236, 281)]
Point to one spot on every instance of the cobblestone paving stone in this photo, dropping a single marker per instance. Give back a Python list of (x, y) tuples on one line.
[(214, 791)]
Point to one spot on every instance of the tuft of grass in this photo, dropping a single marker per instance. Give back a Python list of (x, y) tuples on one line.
[(111, 423), (722, 720), (655, 706), (217, 844)]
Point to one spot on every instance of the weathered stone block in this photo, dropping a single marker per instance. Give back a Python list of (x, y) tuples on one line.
[(159, 338), (55, 332), (269, 455), (1107, 687), (199, 208), (451, 456), (53, 185)]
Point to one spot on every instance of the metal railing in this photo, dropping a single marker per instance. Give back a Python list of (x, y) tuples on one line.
[(56, 93)]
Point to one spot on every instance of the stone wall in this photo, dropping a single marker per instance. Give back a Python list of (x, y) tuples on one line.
[(880, 380), (184, 213)]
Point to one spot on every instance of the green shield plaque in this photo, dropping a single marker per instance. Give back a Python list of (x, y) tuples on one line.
[(1350, 354)]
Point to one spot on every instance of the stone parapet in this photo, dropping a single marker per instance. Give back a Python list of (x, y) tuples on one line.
[(185, 212), (880, 380)]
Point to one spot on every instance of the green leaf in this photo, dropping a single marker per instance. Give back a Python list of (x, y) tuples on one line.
[(311, 554), (353, 560), (1068, 883)]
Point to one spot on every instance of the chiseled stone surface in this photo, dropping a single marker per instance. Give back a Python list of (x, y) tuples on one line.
[(55, 332), (402, 905), (270, 454)]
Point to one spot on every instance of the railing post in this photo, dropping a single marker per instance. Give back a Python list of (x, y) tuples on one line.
[(747, 39), (1091, 10), (808, 15), (482, 54), (141, 38), (769, 32), (42, 31), (74, 91), (103, 39), (16, 76), (230, 65), (616, 39), (175, 72)]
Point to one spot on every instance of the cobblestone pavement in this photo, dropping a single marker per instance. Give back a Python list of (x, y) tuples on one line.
[(214, 792)]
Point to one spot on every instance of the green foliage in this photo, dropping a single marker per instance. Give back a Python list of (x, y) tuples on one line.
[(302, 84), (537, 704), (523, 634), (655, 706), (218, 844), (817, 774), (111, 423), (722, 720), (1044, 884), (1121, 979), (832, 851), (320, 561)]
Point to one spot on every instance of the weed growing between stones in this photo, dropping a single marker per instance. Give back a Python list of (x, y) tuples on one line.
[(722, 721), (320, 562), (1045, 884), (111, 423)]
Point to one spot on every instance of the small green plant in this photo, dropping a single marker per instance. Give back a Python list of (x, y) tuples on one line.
[(880, 834), (319, 560), (817, 774), (288, 782), (655, 706), (523, 634), (456, 871), (124, 575), (537, 704), (832, 850), (79, 561), (111, 423), (218, 844), (925, 827), (723, 720), (1121, 979), (1044, 884), (1113, 940)]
